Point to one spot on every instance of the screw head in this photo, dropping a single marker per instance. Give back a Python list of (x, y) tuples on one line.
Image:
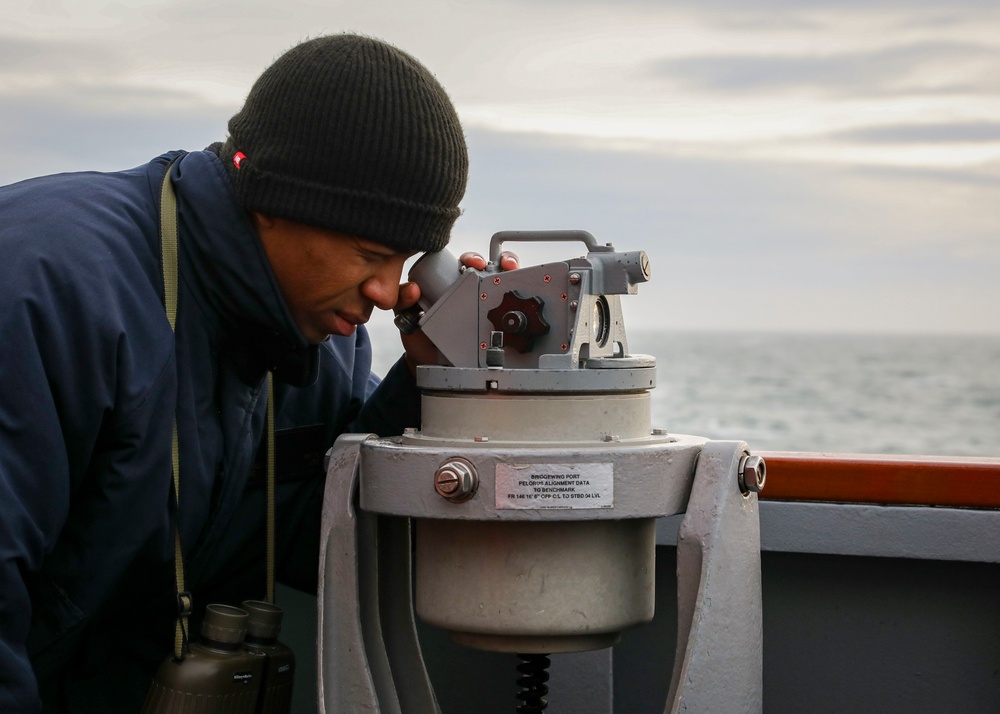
[(456, 480)]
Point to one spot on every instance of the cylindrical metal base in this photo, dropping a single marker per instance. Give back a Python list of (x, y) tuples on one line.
[(535, 587), (535, 418)]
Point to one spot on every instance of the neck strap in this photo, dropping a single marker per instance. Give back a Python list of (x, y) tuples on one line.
[(168, 246)]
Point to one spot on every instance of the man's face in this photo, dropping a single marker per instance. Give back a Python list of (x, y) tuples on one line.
[(330, 281)]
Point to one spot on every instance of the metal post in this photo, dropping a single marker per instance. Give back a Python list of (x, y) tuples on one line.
[(718, 665), (365, 581)]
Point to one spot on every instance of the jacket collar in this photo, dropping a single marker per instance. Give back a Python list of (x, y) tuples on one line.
[(224, 265)]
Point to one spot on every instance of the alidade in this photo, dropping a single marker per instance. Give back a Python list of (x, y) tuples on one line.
[(555, 316)]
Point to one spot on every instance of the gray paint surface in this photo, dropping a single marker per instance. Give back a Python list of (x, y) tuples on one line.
[(871, 530), (866, 609)]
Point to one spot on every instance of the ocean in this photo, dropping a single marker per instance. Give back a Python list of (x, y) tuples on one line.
[(861, 393)]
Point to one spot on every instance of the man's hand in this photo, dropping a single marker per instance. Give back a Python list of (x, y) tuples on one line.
[(419, 348)]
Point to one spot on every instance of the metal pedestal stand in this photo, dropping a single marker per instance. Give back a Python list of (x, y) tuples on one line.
[(536, 578)]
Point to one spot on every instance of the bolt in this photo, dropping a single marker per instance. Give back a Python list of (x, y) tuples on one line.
[(574, 305), (574, 278), (611, 437), (514, 322), (456, 480), (659, 431), (752, 474)]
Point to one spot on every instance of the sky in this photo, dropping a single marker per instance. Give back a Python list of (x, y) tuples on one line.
[(818, 165)]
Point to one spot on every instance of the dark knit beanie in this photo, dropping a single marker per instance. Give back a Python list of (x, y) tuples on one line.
[(351, 134)]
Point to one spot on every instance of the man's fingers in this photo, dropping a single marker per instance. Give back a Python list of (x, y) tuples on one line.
[(409, 294), (508, 260), (473, 260)]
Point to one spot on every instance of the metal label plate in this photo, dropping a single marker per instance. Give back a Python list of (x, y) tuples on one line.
[(565, 486)]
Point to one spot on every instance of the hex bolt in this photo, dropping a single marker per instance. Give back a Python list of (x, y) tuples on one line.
[(456, 480), (752, 474)]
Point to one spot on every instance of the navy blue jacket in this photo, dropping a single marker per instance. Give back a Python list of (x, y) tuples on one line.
[(91, 376)]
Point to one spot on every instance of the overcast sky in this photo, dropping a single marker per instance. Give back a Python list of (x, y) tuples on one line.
[(828, 165)]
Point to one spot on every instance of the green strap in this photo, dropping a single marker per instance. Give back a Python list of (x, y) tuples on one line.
[(270, 488), (168, 244)]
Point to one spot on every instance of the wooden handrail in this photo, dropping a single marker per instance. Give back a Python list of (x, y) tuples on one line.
[(972, 482)]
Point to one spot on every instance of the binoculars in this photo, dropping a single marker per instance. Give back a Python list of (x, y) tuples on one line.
[(237, 667)]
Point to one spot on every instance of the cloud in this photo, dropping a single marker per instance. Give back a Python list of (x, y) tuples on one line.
[(552, 182), (952, 133), (101, 128), (901, 68), (29, 60), (787, 5)]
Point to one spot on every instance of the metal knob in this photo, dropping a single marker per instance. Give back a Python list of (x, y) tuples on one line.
[(752, 474), (456, 480), (408, 321)]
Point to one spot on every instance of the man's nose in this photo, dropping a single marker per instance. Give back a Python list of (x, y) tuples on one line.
[(382, 288)]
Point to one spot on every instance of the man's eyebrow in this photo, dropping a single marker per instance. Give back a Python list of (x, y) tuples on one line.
[(375, 248)]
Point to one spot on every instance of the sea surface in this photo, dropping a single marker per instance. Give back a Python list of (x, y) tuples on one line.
[(862, 393)]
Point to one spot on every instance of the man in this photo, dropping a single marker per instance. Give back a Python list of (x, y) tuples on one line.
[(346, 159)]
